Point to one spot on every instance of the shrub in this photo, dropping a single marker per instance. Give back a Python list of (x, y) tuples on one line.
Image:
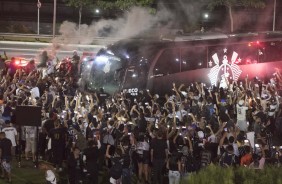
[(241, 175)]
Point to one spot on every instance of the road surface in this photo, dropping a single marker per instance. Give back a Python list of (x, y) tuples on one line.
[(33, 48)]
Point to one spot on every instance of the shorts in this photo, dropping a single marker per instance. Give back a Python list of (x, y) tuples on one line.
[(30, 145), (6, 166), (143, 158), (242, 125)]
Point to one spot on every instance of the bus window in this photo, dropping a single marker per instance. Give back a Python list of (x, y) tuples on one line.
[(272, 51), (168, 63), (193, 58), (247, 53), (136, 77)]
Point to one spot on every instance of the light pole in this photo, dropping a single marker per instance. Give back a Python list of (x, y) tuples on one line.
[(38, 13), (274, 15), (54, 18)]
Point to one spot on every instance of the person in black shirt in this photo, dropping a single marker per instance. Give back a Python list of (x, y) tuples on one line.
[(48, 125), (5, 155), (174, 167), (91, 157), (159, 154), (58, 137), (102, 96), (74, 167)]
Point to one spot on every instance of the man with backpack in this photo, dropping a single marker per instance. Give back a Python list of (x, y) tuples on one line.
[(228, 158)]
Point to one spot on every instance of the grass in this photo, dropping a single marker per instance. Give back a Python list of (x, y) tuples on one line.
[(27, 174)]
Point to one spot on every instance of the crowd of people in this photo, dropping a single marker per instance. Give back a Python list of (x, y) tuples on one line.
[(151, 137)]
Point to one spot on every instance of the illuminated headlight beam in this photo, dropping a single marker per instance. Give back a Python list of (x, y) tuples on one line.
[(101, 60)]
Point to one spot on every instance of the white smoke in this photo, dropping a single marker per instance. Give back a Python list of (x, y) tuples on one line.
[(134, 22)]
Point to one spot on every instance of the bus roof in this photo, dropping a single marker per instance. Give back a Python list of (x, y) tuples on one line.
[(133, 45), (217, 36)]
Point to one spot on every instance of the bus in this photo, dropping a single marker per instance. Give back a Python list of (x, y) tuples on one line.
[(134, 65)]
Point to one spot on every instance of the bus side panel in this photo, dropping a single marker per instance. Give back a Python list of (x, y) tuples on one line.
[(261, 70), (163, 84)]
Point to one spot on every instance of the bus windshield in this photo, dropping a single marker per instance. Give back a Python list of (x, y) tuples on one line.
[(106, 71)]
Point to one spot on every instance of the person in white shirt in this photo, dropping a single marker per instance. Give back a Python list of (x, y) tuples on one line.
[(241, 116), (34, 91), (30, 137), (181, 112), (12, 134), (258, 159), (50, 176)]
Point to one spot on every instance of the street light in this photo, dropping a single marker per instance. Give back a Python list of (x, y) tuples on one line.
[(38, 13), (274, 15), (54, 18), (206, 15), (97, 11)]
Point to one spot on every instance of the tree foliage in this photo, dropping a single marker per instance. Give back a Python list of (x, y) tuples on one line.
[(230, 4), (123, 4), (79, 3)]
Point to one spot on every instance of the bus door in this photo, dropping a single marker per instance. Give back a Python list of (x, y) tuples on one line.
[(135, 79)]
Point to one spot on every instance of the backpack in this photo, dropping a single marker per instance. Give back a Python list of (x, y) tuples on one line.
[(116, 170), (227, 160)]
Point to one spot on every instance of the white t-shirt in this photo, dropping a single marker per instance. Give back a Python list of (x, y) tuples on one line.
[(30, 132), (260, 166), (241, 112), (142, 146), (11, 133), (18, 91), (180, 114), (212, 139), (35, 92), (236, 150)]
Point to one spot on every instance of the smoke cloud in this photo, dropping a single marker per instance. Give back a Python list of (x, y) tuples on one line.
[(134, 22)]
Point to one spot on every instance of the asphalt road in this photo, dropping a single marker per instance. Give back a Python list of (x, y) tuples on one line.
[(14, 49)]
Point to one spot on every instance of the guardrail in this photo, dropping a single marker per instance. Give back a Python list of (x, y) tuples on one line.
[(25, 37), (49, 38)]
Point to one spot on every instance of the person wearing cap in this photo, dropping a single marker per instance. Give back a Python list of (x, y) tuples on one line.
[(241, 115), (50, 177)]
